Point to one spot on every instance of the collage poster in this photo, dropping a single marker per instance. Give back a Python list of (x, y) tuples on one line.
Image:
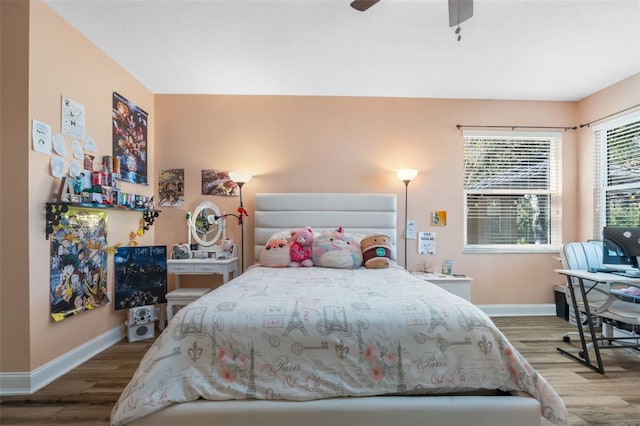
[(140, 276), (78, 278), (129, 140)]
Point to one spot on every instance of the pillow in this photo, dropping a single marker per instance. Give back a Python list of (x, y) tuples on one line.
[(335, 249), (376, 251), (275, 253)]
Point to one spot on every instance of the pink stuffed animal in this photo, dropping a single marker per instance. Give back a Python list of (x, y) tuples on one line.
[(300, 252)]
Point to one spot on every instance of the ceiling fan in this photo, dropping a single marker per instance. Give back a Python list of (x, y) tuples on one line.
[(459, 11)]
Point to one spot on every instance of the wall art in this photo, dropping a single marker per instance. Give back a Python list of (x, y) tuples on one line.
[(217, 182), (140, 276), (78, 278), (440, 218), (130, 139), (171, 187)]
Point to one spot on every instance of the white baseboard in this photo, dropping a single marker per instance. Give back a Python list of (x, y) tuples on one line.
[(27, 383), (507, 310)]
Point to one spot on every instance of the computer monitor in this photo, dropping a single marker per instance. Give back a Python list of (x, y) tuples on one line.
[(621, 245)]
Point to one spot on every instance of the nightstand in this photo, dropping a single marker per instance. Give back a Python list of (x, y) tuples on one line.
[(184, 296), (458, 285)]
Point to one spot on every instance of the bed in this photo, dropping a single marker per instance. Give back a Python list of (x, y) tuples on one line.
[(328, 346)]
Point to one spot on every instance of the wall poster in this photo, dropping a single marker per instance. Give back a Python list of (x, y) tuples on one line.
[(171, 187), (130, 140), (439, 218), (140, 276), (217, 182), (78, 279)]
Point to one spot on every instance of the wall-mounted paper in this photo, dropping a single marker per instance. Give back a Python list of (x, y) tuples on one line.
[(41, 135), (90, 144), (412, 230), (74, 168), (57, 166), (58, 145), (76, 146), (73, 119), (427, 243)]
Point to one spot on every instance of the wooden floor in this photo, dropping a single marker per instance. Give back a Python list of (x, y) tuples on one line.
[(86, 395)]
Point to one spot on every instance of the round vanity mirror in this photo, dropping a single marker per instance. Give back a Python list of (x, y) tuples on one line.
[(206, 230)]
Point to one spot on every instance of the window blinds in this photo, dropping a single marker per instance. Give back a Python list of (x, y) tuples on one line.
[(511, 191), (617, 173)]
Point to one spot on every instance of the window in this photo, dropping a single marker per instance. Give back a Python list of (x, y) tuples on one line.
[(511, 191), (617, 173)]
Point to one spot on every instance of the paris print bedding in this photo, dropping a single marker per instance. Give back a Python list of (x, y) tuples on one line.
[(311, 333)]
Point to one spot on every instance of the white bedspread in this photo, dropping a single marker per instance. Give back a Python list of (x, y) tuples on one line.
[(311, 333)]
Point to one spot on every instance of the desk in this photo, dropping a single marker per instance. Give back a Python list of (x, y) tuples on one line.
[(184, 296), (460, 286), (596, 278)]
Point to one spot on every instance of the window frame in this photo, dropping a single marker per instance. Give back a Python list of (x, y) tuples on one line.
[(601, 186), (554, 191)]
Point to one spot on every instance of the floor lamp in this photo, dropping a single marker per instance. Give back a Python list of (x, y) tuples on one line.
[(406, 175), (240, 178)]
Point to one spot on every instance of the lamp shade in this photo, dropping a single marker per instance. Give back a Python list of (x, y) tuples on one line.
[(407, 174), (240, 177)]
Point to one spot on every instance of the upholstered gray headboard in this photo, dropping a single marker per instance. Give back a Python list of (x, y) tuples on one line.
[(355, 212)]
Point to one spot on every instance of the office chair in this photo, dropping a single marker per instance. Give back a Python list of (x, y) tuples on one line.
[(611, 306)]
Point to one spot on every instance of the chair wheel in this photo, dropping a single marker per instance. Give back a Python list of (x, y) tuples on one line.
[(566, 339), (581, 354)]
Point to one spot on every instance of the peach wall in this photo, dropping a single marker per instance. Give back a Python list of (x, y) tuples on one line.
[(289, 143), (620, 96), (64, 63), (343, 144), (14, 255)]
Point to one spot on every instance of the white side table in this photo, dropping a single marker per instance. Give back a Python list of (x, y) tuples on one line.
[(460, 286), (184, 296)]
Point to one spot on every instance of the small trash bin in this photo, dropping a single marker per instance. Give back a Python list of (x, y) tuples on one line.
[(562, 308)]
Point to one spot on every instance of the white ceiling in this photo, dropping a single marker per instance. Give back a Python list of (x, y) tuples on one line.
[(510, 49)]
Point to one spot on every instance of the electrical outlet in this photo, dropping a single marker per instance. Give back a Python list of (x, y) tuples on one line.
[(412, 230)]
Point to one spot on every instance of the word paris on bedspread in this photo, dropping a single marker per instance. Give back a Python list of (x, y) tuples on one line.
[(312, 333)]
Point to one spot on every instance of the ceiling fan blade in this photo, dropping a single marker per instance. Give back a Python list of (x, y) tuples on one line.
[(459, 11), (363, 5)]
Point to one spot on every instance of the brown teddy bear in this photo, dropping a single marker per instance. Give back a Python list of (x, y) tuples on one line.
[(376, 251)]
